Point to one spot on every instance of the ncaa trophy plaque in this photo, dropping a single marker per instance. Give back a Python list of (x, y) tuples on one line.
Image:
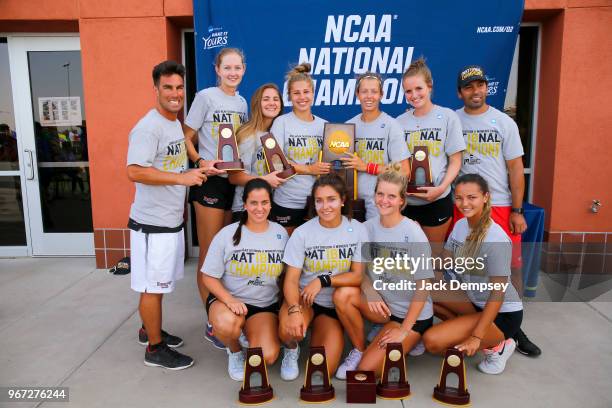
[(420, 170), (317, 366), (227, 149), (388, 388), (255, 366), (360, 387), (339, 141), (275, 158), (453, 363)]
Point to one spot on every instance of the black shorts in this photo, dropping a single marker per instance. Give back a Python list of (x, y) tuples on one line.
[(236, 215), (217, 192), (432, 214), (251, 310), (508, 322), (420, 326), (288, 217), (322, 310)]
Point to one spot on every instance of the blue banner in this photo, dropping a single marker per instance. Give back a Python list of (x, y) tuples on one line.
[(343, 38)]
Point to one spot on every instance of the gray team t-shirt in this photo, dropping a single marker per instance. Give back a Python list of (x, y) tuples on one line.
[(302, 142), (251, 154), (496, 251), (405, 238), (317, 250), (377, 142), (248, 271), (159, 143), (440, 131), (491, 139), (211, 107)]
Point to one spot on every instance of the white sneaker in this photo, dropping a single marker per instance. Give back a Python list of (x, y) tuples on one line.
[(376, 328), (350, 363), (244, 343), (289, 366), (418, 349), (235, 365), (496, 358)]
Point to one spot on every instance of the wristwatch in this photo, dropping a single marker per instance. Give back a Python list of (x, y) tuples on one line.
[(197, 162), (518, 210)]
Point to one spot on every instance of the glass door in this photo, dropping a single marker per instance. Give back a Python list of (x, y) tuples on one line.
[(50, 117)]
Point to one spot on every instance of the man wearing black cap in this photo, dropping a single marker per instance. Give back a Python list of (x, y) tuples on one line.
[(494, 151)]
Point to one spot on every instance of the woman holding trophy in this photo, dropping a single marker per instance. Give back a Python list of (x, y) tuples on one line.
[(437, 129)]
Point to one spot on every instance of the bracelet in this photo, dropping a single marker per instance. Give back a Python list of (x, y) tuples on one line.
[(325, 281), (372, 168), (197, 162), (292, 308)]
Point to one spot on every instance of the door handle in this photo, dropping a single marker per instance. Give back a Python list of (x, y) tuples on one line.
[(30, 165)]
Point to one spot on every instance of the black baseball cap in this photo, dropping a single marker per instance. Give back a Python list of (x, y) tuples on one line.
[(469, 74)]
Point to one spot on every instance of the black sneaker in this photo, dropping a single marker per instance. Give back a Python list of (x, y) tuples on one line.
[(525, 346), (171, 340), (164, 356)]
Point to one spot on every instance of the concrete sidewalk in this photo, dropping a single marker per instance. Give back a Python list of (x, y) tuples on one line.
[(64, 323)]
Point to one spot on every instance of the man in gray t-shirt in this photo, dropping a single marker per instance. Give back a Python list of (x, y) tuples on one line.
[(494, 150), (156, 163)]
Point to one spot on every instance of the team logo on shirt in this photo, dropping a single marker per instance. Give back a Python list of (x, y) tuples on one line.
[(256, 282), (470, 159), (256, 263), (304, 148), (371, 150), (324, 258)]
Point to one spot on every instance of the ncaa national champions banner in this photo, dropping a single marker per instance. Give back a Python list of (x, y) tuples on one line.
[(344, 38)]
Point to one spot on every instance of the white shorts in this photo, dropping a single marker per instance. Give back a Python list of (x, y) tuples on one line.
[(156, 261)]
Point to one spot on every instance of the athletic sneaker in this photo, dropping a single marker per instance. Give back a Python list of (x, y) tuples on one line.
[(376, 328), (171, 340), (525, 346), (496, 358), (289, 366), (350, 363), (235, 365), (163, 356), (244, 342), (208, 335), (418, 349)]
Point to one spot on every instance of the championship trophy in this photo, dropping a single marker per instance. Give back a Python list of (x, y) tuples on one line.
[(275, 158), (255, 366), (316, 366), (360, 387), (227, 149), (420, 170), (339, 141), (453, 363), (394, 361)]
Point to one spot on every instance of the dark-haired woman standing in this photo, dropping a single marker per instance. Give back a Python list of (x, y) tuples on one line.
[(241, 270)]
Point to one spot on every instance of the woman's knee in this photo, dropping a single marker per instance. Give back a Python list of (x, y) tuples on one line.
[(433, 342), (227, 325), (345, 296)]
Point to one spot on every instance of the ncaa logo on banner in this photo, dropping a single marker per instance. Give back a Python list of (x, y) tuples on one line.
[(216, 38)]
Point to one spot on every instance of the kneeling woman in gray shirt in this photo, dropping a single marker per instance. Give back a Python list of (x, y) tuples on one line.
[(322, 257), (241, 269)]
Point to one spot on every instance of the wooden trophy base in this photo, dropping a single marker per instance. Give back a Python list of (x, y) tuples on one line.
[(393, 391), (451, 396), (256, 395), (360, 387), (413, 188), (359, 209), (317, 393), (232, 165), (287, 173)]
